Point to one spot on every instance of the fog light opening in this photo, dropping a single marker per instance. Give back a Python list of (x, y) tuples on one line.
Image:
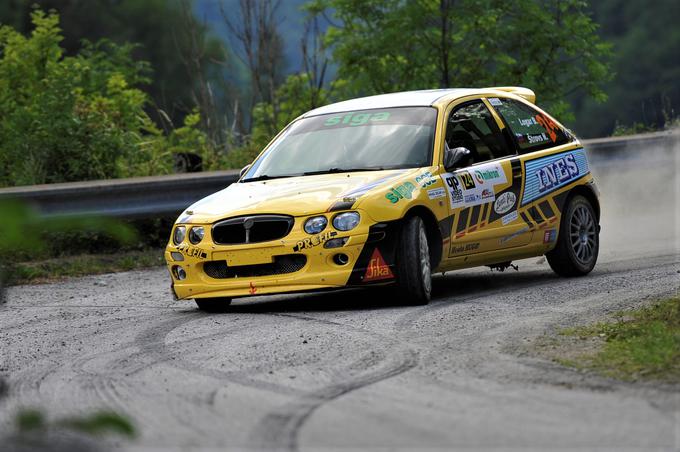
[(341, 259), (335, 243), (179, 272)]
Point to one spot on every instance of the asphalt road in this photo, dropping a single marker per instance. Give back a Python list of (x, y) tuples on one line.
[(352, 369)]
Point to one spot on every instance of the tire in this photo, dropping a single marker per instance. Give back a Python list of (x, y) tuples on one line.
[(578, 243), (414, 272), (213, 304)]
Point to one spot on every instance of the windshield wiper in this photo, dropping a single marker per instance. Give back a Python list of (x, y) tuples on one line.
[(340, 170), (266, 177)]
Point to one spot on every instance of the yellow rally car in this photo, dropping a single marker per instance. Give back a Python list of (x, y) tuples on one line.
[(389, 189)]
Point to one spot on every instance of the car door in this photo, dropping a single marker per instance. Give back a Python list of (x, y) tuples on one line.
[(483, 195), (532, 131)]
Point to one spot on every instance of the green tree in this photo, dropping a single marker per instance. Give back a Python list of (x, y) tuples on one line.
[(164, 34), (72, 118), (645, 92), (393, 45)]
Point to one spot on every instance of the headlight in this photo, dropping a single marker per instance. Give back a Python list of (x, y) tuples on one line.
[(196, 234), (178, 236), (315, 225), (346, 221)]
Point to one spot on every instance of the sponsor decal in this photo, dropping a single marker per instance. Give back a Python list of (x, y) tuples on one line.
[(527, 122), (349, 199), (313, 241), (549, 125), (496, 102), (557, 172), (536, 138), (466, 179), (550, 236), (357, 119), (455, 189), (464, 248), (504, 202), (252, 289), (192, 251), (426, 179), (509, 218), (377, 268), (514, 235), (402, 191), (436, 193), (547, 174), (475, 186)]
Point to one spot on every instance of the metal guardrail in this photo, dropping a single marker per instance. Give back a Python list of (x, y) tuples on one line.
[(157, 196)]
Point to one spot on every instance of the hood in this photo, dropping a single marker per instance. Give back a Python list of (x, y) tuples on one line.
[(297, 196)]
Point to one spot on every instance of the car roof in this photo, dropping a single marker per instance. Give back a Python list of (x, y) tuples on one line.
[(423, 98)]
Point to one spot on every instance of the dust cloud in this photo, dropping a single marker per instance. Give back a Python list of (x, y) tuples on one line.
[(640, 194)]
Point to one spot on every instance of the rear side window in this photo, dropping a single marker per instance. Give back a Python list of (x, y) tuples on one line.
[(532, 130)]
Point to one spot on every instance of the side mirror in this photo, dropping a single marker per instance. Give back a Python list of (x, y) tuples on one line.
[(456, 158), (243, 171)]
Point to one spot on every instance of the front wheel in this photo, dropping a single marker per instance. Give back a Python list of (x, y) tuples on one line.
[(414, 272), (578, 243), (213, 304)]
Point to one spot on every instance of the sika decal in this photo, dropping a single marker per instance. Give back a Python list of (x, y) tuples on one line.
[(514, 235), (474, 186), (547, 174), (377, 268), (436, 193), (509, 218), (458, 249), (504, 203), (400, 192), (313, 241), (191, 251), (550, 236)]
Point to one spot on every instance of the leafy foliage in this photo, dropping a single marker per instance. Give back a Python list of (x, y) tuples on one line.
[(72, 118), (392, 45)]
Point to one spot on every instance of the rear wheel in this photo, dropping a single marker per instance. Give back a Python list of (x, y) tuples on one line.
[(414, 272), (213, 304), (578, 243)]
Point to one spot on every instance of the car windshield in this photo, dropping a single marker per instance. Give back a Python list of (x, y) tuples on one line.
[(365, 140)]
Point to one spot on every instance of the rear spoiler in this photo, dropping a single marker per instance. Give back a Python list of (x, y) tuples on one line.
[(524, 93)]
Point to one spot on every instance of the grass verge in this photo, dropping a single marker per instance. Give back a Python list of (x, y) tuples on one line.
[(81, 265), (642, 344)]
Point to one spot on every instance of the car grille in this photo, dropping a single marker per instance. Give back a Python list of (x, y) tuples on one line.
[(251, 229), (288, 263)]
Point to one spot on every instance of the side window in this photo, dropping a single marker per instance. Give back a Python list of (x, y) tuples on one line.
[(472, 126), (532, 130)]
